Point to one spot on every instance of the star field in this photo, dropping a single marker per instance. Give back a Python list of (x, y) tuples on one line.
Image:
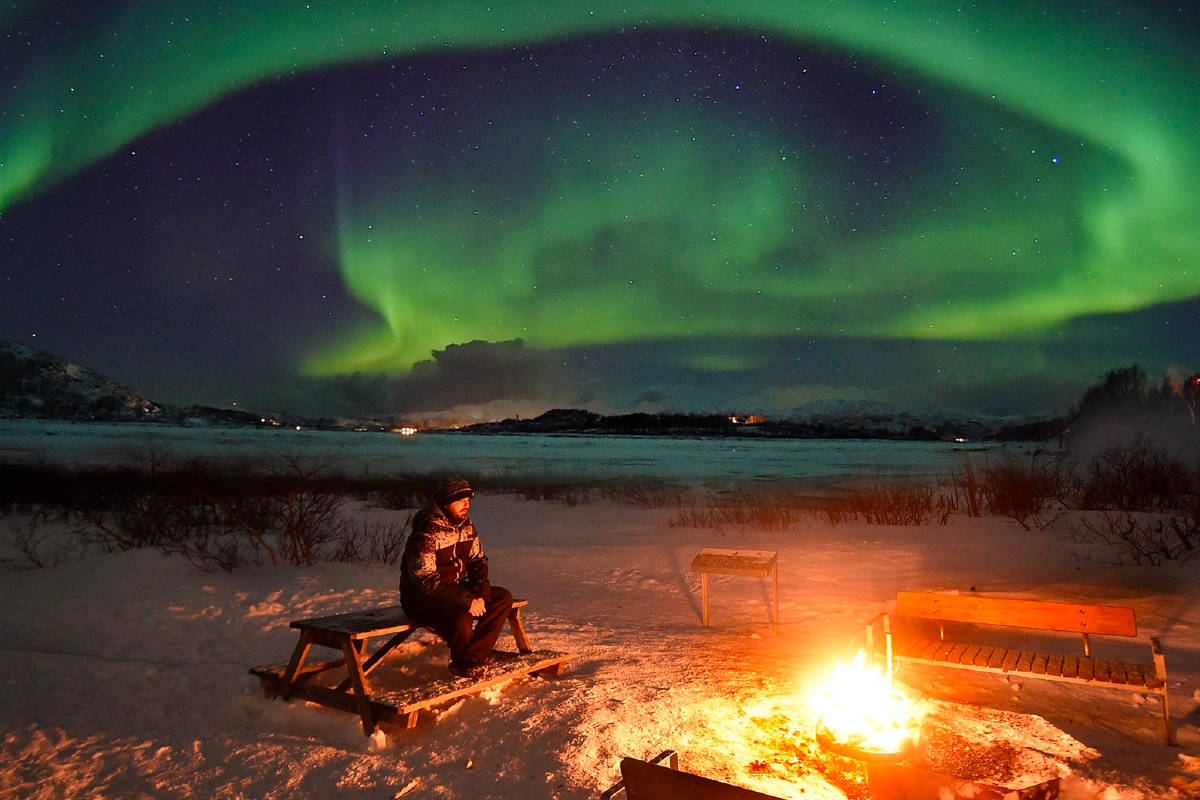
[(364, 207)]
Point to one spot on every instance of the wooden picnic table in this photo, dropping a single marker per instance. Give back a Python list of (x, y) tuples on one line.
[(349, 634), (723, 561)]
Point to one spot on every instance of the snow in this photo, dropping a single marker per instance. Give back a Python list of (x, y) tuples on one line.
[(126, 675)]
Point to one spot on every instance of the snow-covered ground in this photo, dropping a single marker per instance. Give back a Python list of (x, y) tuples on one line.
[(126, 675)]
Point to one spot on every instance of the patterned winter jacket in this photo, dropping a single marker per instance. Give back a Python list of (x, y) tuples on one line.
[(443, 562)]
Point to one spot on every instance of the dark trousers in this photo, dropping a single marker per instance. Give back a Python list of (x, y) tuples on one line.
[(471, 639)]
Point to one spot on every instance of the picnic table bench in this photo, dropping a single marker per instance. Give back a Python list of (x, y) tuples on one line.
[(975, 609), (349, 634)]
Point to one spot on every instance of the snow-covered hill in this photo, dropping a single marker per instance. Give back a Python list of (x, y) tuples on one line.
[(36, 383)]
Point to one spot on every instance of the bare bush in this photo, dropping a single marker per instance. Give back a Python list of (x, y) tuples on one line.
[(373, 542), (645, 494), (38, 542), (899, 503), (1139, 502), (1133, 537), (1138, 476), (746, 511), (966, 493), (1027, 490)]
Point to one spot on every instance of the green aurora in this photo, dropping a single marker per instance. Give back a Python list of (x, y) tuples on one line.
[(1066, 191)]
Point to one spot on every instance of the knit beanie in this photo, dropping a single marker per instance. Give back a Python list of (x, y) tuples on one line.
[(453, 489)]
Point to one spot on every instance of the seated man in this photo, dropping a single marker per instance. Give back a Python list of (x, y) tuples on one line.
[(444, 580)]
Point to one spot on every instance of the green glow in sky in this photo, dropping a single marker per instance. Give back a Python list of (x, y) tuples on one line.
[(636, 234)]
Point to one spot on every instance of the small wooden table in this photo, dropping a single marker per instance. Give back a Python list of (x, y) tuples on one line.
[(720, 561), (349, 634)]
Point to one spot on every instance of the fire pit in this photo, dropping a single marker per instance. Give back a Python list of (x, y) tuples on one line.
[(866, 718)]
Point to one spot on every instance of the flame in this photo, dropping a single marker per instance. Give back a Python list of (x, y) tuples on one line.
[(863, 709)]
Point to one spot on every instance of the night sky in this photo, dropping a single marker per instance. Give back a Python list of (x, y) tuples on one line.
[(495, 208)]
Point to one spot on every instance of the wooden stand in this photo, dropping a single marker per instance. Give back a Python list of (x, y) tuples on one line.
[(349, 633), (755, 563)]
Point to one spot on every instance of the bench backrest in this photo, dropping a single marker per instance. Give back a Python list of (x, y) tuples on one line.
[(646, 781), (1072, 617)]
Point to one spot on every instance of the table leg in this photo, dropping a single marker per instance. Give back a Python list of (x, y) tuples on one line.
[(704, 598), (518, 631), (359, 682), (293, 669), (373, 661)]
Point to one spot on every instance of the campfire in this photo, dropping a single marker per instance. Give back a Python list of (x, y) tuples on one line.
[(863, 716)]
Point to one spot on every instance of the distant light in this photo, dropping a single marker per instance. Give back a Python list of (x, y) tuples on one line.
[(407, 430), (297, 427), (959, 439)]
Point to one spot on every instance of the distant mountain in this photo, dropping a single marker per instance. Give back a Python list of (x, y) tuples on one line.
[(825, 421), (916, 423), (40, 385), (35, 383)]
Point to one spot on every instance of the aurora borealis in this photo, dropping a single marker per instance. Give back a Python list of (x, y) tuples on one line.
[(379, 207)]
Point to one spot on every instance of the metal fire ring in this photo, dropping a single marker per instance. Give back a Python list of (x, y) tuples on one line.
[(850, 751)]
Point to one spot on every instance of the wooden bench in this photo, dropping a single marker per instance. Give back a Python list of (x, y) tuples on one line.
[(349, 634), (647, 780), (1086, 620)]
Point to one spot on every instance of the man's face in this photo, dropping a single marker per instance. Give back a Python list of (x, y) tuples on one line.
[(457, 510)]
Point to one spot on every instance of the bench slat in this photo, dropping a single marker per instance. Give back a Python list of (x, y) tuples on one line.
[(927, 648), (1137, 675), (982, 655), (1075, 617), (1076, 670), (997, 658)]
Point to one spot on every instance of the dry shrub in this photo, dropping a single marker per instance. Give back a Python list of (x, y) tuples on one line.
[(758, 511), (645, 494), (283, 510), (966, 492), (1136, 476), (1137, 538), (887, 503), (1139, 502), (1027, 490)]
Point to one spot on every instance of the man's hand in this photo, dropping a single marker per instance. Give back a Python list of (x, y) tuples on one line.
[(478, 606)]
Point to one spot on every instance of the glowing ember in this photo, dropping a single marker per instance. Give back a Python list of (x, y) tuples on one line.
[(864, 716)]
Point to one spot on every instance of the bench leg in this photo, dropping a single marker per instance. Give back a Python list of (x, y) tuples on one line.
[(518, 631), (1160, 669), (359, 682), (293, 669), (704, 599)]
